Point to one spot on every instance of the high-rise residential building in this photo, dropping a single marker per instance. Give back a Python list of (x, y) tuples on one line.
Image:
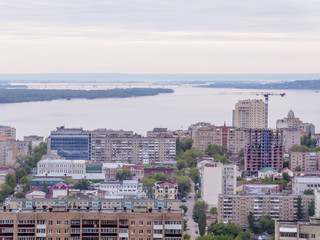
[(126, 147), (291, 138), (236, 208), (264, 149), (33, 140), (8, 131), (216, 179), (307, 161), (291, 122), (234, 139), (10, 149), (71, 143), (60, 223), (250, 114)]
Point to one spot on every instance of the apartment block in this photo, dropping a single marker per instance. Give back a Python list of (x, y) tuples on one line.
[(236, 208), (264, 149), (250, 114), (217, 179), (297, 230), (70, 143), (307, 161), (8, 131), (300, 184), (10, 149), (60, 223), (291, 138), (291, 122), (33, 140), (231, 137), (83, 203), (126, 147)]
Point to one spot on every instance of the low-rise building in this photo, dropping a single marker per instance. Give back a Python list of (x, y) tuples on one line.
[(59, 190), (151, 169), (297, 230), (300, 184), (122, 190), (58, 222), (267, 172), (36, 195), (236, 208), (261, 188), (166, 190)]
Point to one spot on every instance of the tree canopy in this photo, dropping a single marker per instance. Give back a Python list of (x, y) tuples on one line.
[(11, 180), (124, 174), (198, 207), (82, 184), (184, 185)]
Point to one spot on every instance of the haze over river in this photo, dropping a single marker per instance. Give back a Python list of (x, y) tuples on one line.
[(185, 106)]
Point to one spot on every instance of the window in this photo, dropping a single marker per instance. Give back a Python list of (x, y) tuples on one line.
[(58, 222), (149, 223), (66, 231), (66, 222), (140, 223), (58, 231), (133, 231), (140, 231), (133, 223), (50, 231)]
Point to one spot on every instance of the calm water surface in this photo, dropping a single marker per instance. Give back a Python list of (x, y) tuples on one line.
[(174, 111)]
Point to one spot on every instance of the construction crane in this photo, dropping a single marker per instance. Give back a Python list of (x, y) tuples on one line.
[(266, 96)]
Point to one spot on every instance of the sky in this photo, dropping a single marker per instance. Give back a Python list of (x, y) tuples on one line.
[(167, 36)]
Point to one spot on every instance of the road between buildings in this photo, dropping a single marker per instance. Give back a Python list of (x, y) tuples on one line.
[(192, 226)]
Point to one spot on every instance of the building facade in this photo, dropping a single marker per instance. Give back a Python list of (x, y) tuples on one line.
[(217, 179), (60, 223), (126, 147), (8, 131), (300, 184), (236, 208), (307, 161), (264, 149), (10, 149), (250, 114), (296, 230), (291, 122), (70, 143), (166, 190)]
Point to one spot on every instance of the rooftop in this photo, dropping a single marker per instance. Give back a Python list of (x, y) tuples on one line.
[(308, 179), (267, 169)]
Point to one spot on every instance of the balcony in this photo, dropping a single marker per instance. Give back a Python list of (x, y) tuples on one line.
[(173, 226), (123, 235), (158, 235)]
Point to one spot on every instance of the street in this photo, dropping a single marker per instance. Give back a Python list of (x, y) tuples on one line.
[(192, 226)]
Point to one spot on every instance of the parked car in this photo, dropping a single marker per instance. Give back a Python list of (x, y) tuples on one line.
[(183, 200)]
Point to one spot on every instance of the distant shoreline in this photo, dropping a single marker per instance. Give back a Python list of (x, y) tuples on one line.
[(34, 95), (295, 85)]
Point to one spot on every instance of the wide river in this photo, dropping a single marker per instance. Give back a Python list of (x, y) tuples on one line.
[(185, 106)]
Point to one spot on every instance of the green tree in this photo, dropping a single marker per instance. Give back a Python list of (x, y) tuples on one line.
[(2, 197), (124, 174), (181, 164), (265, 224), (11, 180), (191, 156), (244, 235), (186, 144), (216, 150), (185, 225), (45, 187), (308, 192), (286, 176), (221, 158), (198, 207), (285, 164), (299, 208), (20, 172), (186, 237), (160, 177), (202, 223), (213, 211), (230, 229), (184, 185), (25, 183), (184, 208), (74, 205), (298, 168), (82, 184), (199, 194), (311, 209), (251, 221), (148, 185), (20, 195), (6, 189), (194, 174)]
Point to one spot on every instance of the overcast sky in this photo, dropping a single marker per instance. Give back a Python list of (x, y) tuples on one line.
[(164, 36)]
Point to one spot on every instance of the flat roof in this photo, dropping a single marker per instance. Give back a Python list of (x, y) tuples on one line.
[(308, 179)]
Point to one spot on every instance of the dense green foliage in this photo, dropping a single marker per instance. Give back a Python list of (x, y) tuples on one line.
[(198, 207), (25, 183), (82, 184), (216, 149), (186, 237), (213, 210), (230, 229), (184, 145), (202, 223), (30, 95), (160, 177), (185, 225), (20, 172), (308, 192), (148, 184), (306, 144), (11, 180), (190, 157), (20, 195), (261, 225), (194, 174), (184, 185), (286, 176), (311, 209), (28, 162), (124, 174), (6, 190), (184, 208)]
